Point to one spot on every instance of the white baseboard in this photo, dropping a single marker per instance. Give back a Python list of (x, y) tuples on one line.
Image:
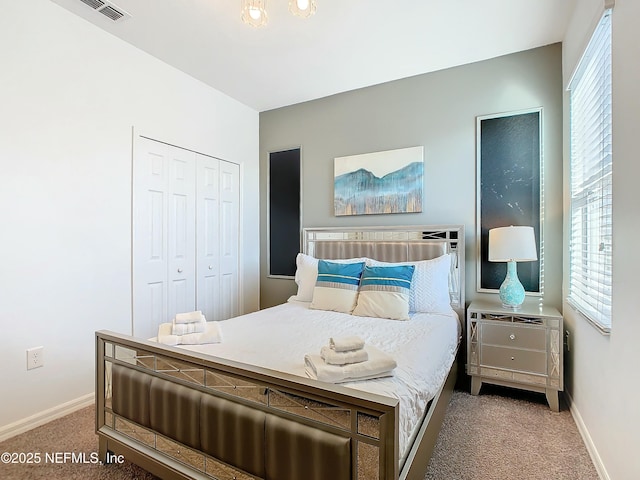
[(591, 448), (45, 416)]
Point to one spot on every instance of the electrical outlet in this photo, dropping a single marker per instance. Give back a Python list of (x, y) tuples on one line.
[(35, 358)]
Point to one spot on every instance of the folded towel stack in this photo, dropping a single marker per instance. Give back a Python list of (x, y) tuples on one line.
[(188, 317), (347, 359), (344, 351), (343, 358), (186, 323), (346, 344), (189, 328)]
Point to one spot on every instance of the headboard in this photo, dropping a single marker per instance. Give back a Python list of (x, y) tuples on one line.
[(394, 244)]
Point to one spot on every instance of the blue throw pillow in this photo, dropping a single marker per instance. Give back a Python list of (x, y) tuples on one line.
[(384, 292), (337, 286)]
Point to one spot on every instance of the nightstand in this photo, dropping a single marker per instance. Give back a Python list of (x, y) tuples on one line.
[(521, 348)]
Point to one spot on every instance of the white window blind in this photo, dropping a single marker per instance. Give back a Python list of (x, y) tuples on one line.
[(591, 189)]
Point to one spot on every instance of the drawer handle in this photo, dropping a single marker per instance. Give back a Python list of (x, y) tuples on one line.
[(512, 336), (513, 358)]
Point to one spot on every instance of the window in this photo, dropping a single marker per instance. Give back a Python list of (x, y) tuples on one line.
[(590, 239)]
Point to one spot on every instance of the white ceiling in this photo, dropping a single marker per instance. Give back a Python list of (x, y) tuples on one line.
[(347, 44)]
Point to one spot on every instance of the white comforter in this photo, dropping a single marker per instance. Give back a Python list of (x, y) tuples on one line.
[(424, 348)]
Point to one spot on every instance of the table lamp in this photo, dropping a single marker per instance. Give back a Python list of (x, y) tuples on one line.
[(512, 245)]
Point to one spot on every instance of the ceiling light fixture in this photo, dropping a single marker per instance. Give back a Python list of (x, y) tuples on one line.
[(254, 12), (302, 8)]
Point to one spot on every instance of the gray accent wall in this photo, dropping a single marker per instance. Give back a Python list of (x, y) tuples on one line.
[(438, 111)]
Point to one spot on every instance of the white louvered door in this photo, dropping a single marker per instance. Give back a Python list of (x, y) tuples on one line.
[(185, 235)]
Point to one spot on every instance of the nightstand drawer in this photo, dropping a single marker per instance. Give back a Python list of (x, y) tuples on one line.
[(514, 336), (514, 359)]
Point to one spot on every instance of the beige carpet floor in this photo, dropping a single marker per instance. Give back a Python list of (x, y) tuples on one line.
[(500, 434), (508, 434)]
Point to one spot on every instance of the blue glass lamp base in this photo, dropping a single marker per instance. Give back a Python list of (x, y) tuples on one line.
[(511, 290)]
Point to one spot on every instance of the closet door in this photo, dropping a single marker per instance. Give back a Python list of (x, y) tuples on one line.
[(150, 259), (163, 234), (181, 231), (229, 238), (185, 235), (208, 237), (218, 211)]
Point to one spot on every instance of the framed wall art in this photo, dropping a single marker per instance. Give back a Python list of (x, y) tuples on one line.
[(382, 182), (509, 191)]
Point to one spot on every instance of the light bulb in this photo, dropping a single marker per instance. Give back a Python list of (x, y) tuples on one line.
[(254, 13), (302, 8)]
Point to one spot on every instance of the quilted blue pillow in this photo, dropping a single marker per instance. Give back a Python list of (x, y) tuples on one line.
[(337, 286), (384, 292)]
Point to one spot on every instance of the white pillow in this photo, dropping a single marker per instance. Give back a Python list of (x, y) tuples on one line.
[(430, 284), (307, 272)]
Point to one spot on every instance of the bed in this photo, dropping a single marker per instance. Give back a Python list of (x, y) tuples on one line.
[(244, 408)]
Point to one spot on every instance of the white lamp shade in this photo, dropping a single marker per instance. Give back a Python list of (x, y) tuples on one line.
[(512, 243)]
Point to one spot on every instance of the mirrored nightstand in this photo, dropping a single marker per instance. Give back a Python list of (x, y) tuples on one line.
[(521, 349)]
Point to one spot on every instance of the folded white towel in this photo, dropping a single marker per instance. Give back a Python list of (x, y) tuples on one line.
[(345, 344), (211, 334), (191, 327), (189, 317), (343, 358), (165, 336), (379, 365)]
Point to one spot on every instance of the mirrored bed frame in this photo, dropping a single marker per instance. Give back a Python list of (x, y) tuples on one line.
[(182, 414)]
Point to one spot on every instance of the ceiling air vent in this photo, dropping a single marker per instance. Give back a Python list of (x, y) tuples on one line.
[(95, 4), (112, 13), (107, 9)]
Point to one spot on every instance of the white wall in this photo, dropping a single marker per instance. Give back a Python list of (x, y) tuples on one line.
[(70, 94), (602, 377)]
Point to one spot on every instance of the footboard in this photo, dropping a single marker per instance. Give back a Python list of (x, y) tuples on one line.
[(181, 414)]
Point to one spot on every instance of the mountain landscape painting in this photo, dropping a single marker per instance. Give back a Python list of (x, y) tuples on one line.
[(382, 182)]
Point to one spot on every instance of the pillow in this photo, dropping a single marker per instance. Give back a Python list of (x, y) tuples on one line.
[(306, 274), (384, 292), (337, 286), (430, 285)]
